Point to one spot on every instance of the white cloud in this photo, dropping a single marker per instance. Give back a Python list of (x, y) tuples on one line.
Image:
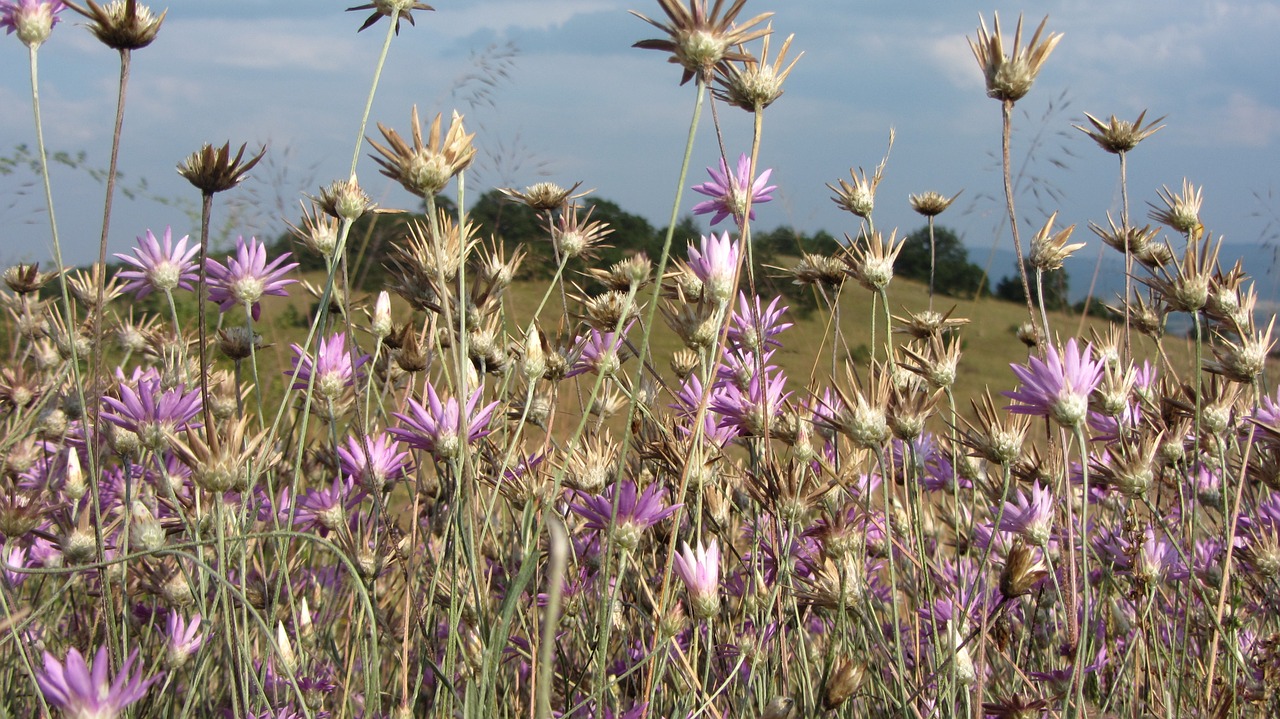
[(263, 44), (1244, 122)]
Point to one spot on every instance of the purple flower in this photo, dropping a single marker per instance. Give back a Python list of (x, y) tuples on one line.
[(439, 426), (184, 638), (753, 409), (333, 369), (599, 352), (85, 693), (700, 570), (247, 277), (1030, 515), (636, 513), (325, 509), (160, 268), (374, 462), (728, 192), (152, 412), (33, 20), (715, 262), (11, 558), (754, 327), (1057, 386)]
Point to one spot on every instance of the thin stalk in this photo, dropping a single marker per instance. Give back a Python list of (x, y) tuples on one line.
[(1006, 108), (373, 87)]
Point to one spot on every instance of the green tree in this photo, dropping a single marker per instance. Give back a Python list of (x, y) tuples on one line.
[(954, 275), (1056, 289)]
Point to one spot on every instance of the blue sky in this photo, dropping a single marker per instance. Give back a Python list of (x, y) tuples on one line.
[(577, 102)]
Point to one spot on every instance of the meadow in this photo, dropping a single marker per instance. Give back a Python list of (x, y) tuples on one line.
[(635, 487)]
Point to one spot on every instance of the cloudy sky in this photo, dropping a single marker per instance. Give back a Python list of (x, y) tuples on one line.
[(569, 99)]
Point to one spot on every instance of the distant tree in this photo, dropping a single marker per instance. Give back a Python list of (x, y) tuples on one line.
[(954, 275), (1056, 286)]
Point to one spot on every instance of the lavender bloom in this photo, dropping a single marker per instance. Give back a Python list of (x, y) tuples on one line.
[(715, 263), (728, 192), (184, 638), (33, 20), (333, 369), (636, 513), (754, 327), (1057, 386), (382, 463), (439, 427), (599, 352), (160, 268), (11, 558), (247, 277), (687, 401), (325, 509), (84, 693), (752, 410), (152, 412), (1030, 515), (700, 570)]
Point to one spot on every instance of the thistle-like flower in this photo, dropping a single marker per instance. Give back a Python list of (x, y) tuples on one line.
[(700, 570), (1119, 136), (26, 279), (715, 263), (122, 24), (1010, 77), (184, 638), (89, 693), (152, 412), (33, 20), (425, 168), (247, 277), (544, 196), (1049, 249), (756, 84), (932, 204), (396, 9), (160, 268), (700, 40), (442, 426), (728, 192), (341, 200), (636, 512), (871, 264), (1181, 211), (332, 370), (1057, 386), (213, 169), (1030, 515), (599, 352)]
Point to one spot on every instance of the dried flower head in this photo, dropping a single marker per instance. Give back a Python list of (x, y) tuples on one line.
[(871, 262), (213, 169), (859, 197), (932, 204), (122, 24), (26, 279), (1010, 77), (1119, 136), (821, 270), (1181, 212), (1187, 289), (394, 9), (577, 236), (994, 436), (928, 324), (544, 196), (342, 200), (1049, 249), (425, 168), (1128, 239), (1242, 361), (700, 40), (756, 84)]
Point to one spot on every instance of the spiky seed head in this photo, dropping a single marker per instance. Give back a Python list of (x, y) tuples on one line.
[(344, 200), (26, 279), (683, 362), (544, 196), (1181, 211), (212, 169), (1049, 249), (1119, 136), (1009, 77), (932, 204), (123, 24)]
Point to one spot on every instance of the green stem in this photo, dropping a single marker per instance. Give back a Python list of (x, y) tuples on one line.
[(373, 88)]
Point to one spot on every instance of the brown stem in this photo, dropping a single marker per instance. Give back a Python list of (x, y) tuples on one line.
[(201, 294), (1007, 113)]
